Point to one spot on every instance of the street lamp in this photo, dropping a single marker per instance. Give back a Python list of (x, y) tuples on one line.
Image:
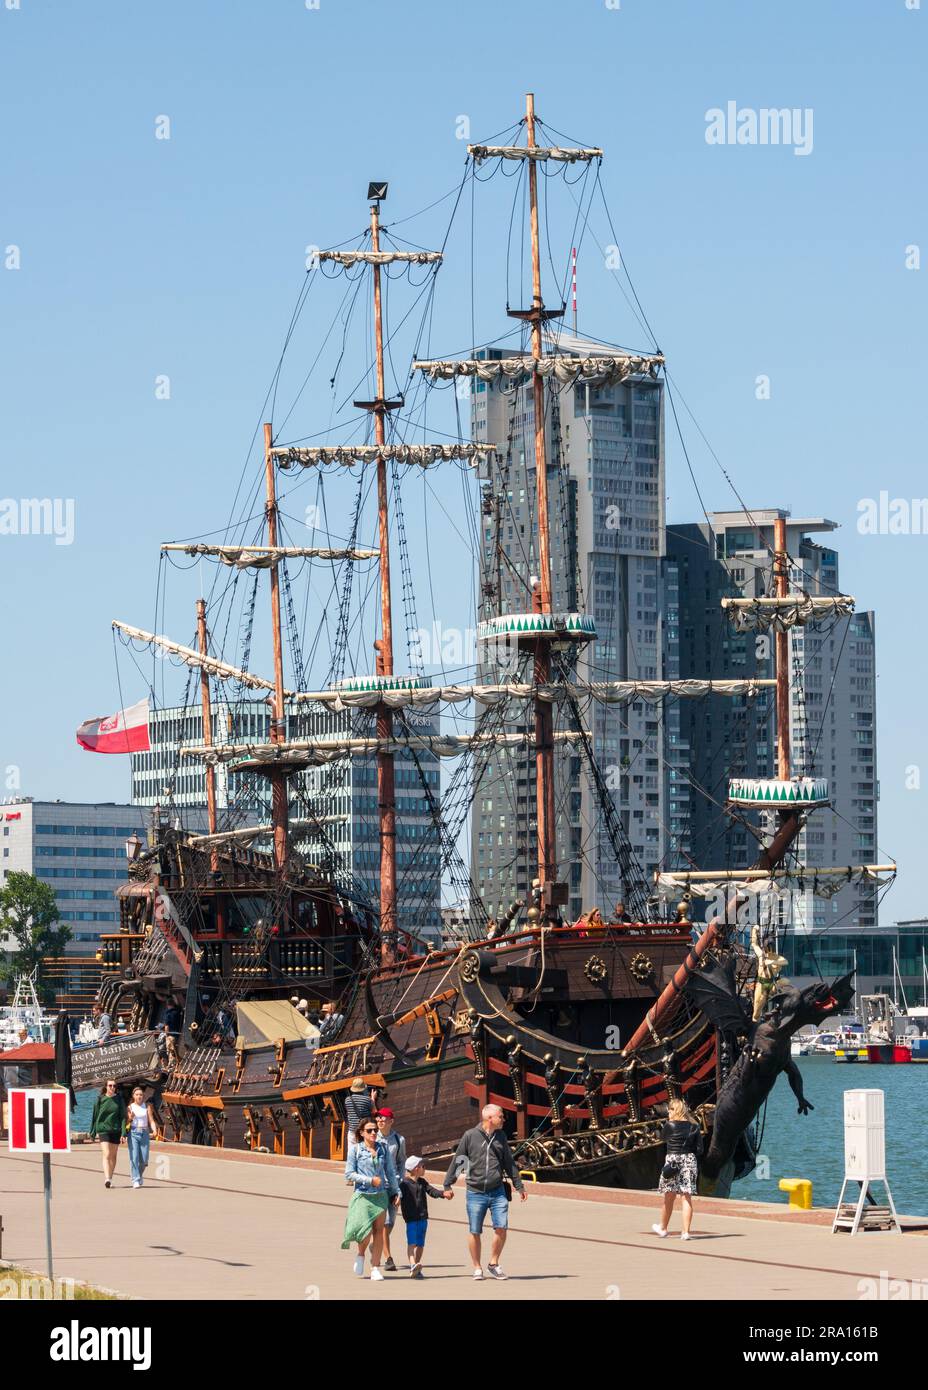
[(133, 846)]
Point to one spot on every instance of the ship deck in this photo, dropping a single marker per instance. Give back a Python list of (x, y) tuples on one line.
[(249, 1226)]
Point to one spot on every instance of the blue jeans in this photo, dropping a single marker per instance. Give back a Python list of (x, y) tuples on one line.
[(494, 1202), (139, 1141)]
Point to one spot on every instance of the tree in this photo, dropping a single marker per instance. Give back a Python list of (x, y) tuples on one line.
[(29, 914)]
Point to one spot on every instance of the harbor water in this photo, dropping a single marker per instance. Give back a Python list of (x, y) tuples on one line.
[(812, 1146)]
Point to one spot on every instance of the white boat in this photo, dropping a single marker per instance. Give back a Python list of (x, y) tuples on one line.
[(25, 1011)]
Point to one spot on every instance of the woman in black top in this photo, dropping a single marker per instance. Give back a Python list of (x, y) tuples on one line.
[(683, 1138)]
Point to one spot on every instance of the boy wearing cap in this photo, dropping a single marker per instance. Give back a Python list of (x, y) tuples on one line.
[(397, 1146), (414, 1204)]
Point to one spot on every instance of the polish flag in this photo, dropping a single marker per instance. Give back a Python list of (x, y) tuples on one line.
[(125, 732)]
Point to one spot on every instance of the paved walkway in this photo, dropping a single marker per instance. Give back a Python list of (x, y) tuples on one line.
[(210, 1227)]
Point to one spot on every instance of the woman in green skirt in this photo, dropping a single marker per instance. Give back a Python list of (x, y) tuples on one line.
[(370, 1168)]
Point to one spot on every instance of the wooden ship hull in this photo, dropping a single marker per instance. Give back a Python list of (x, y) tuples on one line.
[(518, 1022)]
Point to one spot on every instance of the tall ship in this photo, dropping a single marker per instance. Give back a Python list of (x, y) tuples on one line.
[(582, 1026)]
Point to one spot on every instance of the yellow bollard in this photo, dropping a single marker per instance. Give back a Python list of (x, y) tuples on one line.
[(800, 1193)]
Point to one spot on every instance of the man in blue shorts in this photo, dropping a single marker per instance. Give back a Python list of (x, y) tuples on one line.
[(485, 1159)]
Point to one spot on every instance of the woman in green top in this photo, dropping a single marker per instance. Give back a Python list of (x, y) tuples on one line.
[(109, 1125)]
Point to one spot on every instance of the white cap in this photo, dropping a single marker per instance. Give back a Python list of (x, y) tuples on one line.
[(412, 1163)]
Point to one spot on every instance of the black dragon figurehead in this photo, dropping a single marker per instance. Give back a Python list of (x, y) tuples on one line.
[(797, 1008)]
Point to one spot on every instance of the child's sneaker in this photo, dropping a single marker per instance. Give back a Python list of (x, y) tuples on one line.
[(659, 1231), (376, 1273), (684, 1235), (389, 1266), (415, 1270), (496, 1271), (478, 1273)]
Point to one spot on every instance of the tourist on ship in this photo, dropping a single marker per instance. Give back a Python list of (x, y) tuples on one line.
[(370, 1169), (397, 1146), (620, 917), (414, 1203), (332, 1023), (103, 1023), (108, 1124), (142, 1125), (484, 1157), (684, 1140)]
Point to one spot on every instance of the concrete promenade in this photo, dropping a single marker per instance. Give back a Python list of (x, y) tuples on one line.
[(237, 1226)]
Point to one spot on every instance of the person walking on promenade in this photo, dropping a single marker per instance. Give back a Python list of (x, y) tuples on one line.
[(484, 1157), (358, 1108), (108, 1125), (414, 1203), (683, 1137), (397, 1146), (142, 1125), (376, 1185)]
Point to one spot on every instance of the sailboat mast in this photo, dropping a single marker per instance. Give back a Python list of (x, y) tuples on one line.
[(206, 706), (386, 780), (544, 712), (279, 808), (781, 574)]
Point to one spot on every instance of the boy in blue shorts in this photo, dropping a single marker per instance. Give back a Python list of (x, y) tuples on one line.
[(414, 1204)]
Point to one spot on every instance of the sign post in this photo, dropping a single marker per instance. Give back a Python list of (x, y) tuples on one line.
[(40, 1122)]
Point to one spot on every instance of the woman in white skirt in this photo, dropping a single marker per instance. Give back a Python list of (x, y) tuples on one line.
[(683, 1138)]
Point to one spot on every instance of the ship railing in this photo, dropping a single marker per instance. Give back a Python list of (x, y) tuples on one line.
[(617, 930), (340, 1059)]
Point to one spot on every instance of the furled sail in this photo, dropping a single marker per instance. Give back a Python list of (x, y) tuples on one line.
[(823, 882), (606, 692), (422, 455), (778, 614), (348, 258), (221, 669), (317, 751), (542, 152), (607, 370), (247, 833), (265, 557)]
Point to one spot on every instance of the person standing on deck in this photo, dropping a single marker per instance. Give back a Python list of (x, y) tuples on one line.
[(484, 1157), (103, 1023), (397, 1146), (331, 1026)]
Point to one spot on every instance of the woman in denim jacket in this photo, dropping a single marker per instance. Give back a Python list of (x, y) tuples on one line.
[(370, 1168)]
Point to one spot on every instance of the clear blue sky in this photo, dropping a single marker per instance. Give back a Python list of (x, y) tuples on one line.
[(141, 257)]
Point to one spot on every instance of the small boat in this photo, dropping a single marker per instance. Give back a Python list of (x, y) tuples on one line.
[(25, 1011)]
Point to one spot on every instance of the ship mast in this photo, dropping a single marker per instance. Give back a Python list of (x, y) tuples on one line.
[(544, 712), (278, 777), (386, 781), (780, 570), (207, 729)]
